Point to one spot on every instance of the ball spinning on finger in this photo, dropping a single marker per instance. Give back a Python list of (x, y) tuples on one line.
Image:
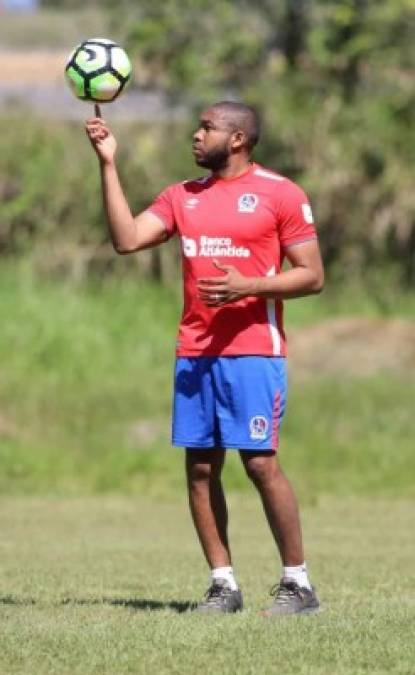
[(98, 70)]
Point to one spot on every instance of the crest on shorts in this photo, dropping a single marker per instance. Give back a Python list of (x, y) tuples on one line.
[(258, 427), (247, 203)]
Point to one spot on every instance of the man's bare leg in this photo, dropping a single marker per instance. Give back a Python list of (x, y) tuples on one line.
[(294, 594), (210, 516), (207, 503), (280, 504)]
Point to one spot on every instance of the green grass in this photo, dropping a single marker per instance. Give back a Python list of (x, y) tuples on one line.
[(379, 295), (102, 585), (85, 389), (81, 369)]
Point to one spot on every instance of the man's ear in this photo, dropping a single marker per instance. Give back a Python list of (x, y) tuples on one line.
[(238, 139)]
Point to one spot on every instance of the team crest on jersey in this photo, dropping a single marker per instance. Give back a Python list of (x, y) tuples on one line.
[(258, 427), (247, 203)]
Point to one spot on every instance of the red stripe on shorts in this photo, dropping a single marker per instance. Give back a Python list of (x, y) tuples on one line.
[(276, 420)]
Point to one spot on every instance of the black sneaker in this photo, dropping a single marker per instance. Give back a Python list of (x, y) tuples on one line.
[(290, 598), (220, 599)]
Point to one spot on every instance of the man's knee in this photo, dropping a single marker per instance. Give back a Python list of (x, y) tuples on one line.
[(202, 467), (198, 472), (261, 468)]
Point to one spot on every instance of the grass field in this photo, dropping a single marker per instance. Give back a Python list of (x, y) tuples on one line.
[(106, 585), (99, 565)]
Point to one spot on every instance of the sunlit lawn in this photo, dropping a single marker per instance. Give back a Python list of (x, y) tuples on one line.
[(106, 585)]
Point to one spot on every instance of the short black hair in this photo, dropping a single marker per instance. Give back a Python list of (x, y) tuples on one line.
[(243, 117)]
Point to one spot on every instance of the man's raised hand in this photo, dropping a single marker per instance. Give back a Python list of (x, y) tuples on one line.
[(102, 140)]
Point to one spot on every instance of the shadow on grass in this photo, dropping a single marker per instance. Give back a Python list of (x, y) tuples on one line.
[(9, 600), (137, 604)]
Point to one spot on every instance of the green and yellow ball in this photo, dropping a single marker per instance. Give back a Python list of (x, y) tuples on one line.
[(98, 70)]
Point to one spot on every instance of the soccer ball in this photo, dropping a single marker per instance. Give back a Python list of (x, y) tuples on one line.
[(98, 70)]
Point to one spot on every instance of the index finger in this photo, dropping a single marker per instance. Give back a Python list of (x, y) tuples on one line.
[(211, 281), (95, 121)]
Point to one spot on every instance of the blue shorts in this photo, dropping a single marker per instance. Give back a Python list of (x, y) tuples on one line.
[(229, 402)]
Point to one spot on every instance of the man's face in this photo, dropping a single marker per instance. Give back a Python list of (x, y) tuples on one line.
[(212, 142)]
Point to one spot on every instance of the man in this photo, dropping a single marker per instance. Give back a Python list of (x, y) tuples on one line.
[(236, 225)]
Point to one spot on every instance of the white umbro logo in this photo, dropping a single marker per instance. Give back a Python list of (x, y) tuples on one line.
[(191, 203)]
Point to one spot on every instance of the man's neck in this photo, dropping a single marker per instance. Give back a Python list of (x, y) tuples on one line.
[(237, 166)]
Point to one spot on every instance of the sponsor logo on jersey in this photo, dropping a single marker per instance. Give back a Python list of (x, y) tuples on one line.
[(213, 247), (247, 203), (189, 247), (307, 213), (258, 427)]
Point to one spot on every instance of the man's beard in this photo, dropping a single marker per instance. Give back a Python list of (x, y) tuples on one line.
[(215, 160)]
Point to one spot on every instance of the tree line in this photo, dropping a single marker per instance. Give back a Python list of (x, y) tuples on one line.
[(333, 82)]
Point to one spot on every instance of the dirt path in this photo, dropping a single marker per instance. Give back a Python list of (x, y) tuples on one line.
[(43, 67), (356, 346)]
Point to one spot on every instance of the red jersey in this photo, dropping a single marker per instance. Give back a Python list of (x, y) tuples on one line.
[(247, 222)]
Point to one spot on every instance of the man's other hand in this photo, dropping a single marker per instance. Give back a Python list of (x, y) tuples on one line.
[(220, 290)]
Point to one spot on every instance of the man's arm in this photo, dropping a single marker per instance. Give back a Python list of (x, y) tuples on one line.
[(305, 277), (128, 233)]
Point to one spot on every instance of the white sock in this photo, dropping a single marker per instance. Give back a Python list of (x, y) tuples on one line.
[(297, 573), (227, 574)]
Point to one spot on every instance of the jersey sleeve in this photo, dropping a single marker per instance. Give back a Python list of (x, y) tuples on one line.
[(162, 207), (295, 218)]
